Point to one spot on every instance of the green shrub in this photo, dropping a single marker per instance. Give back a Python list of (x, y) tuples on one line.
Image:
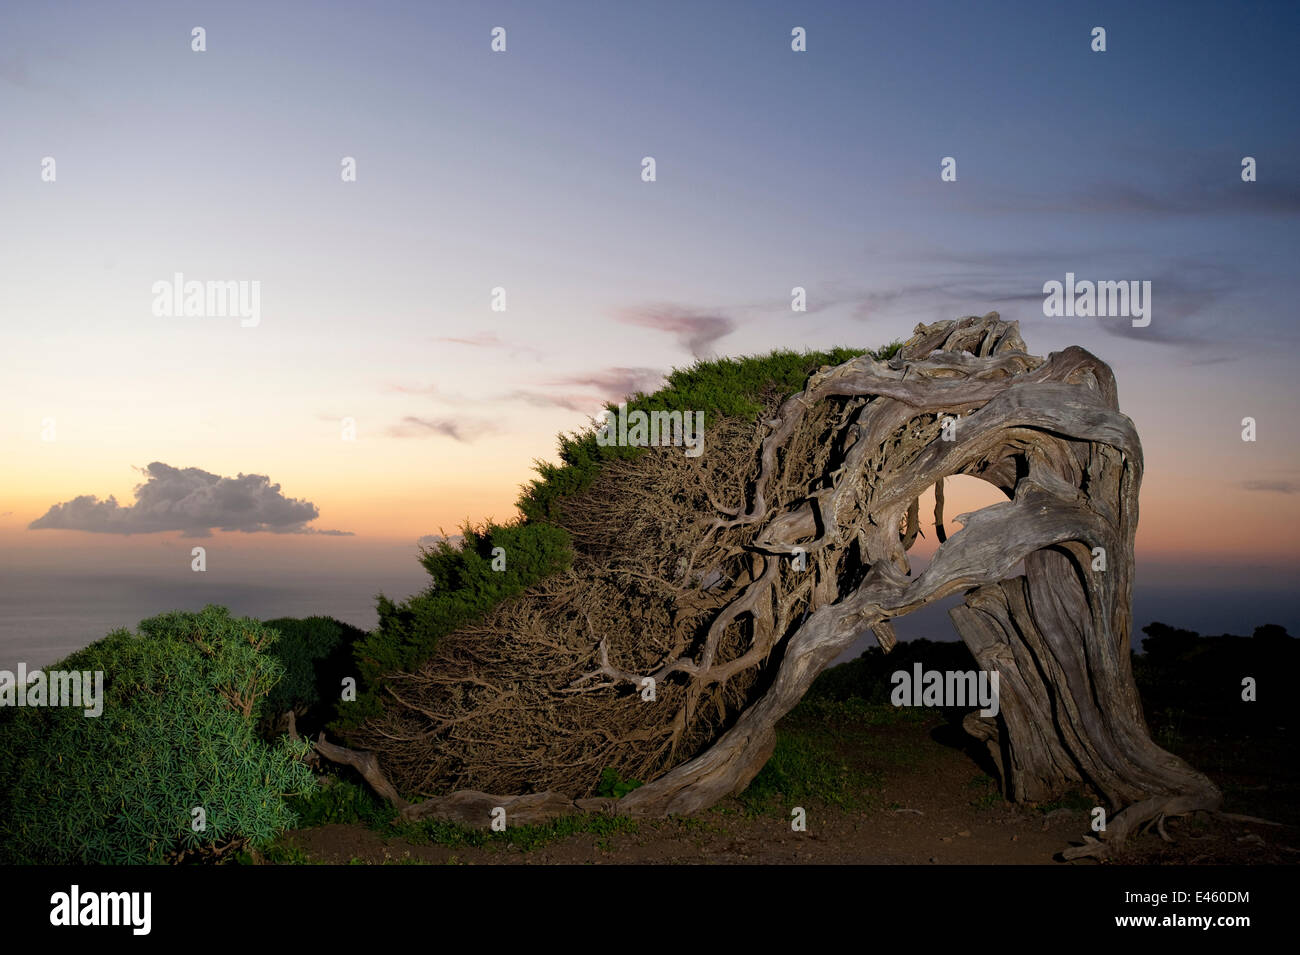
[(316, 653), (180, 700), (805, 767)]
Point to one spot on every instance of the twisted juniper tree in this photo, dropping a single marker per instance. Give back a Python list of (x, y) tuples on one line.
[(803, 546)]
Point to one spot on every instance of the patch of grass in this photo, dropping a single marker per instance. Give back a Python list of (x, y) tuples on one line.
[(523, 838), (699, 823), (856, 724), (806, 767), (343, 801), (857, 713), (285, 852), (438, 833), (832, 750), (690, 826)]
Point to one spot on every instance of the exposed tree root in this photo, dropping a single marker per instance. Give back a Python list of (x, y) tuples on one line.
[(364, 763), (467, 807)]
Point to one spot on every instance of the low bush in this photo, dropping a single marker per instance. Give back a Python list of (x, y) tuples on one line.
[(177, 734)]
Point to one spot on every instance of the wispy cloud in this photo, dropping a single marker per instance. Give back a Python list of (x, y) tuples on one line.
[(1188, 298), (1191, 298), (490, 340), (542, 399), (190, 500), (586, 393), (457, 429), (607, 385), (13, 70), (1211, 189), (1277, 487), (695, 330), (425, 390), (1272, 196)]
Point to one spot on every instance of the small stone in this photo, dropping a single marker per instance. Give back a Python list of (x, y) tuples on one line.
[(946, 839), (964, 832)]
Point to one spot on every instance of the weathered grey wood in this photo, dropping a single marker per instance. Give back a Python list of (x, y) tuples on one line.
[(366, 763), (1050, 435), (476, 809)]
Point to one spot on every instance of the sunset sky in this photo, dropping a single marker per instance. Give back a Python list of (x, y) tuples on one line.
[(522, 170)]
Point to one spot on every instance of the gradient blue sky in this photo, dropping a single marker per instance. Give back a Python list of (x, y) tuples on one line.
[(522, 170)]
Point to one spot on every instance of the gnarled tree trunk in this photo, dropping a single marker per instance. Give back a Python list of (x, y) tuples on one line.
[(961, 397), (1051, 436)]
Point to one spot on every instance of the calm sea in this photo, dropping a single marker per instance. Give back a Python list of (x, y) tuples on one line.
[(45, 616)]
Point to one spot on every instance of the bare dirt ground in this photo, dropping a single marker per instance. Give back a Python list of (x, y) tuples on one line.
[(926, 801)]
